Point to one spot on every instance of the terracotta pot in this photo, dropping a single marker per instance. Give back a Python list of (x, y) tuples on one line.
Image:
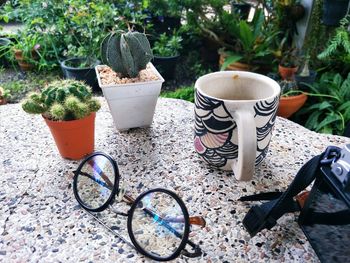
[(235, 66), (22, 64), (25, 66), (289, 105), (287, 73), (74, 139), (3, 101)]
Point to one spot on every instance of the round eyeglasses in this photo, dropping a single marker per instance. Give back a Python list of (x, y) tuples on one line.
[(158, 222)]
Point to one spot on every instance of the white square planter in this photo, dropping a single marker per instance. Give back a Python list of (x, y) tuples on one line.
[(132, 105)]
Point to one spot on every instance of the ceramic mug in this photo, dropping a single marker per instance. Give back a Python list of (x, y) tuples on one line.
[(235, 112)]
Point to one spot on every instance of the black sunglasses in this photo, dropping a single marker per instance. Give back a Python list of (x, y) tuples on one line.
[(157, 216)]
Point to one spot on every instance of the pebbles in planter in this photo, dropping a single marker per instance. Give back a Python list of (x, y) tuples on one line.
[(110, 77)]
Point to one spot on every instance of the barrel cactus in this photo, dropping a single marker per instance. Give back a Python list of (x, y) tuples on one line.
[(126, 53), (62, 100)]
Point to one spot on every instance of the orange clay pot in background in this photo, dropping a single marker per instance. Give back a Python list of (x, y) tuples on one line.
[(287, 73), (289, 105), (74, 139), (25, 66)]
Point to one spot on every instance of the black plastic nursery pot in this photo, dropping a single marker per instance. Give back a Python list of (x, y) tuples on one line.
[(334, 11), (71, 70), (166, 66)]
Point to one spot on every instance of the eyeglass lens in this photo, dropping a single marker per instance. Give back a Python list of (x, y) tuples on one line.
[(158, 224), (95, 181)]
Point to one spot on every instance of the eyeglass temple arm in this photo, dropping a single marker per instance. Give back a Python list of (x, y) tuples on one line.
[(194, 220)]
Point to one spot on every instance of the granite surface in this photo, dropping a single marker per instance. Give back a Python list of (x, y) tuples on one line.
[(40, 220)]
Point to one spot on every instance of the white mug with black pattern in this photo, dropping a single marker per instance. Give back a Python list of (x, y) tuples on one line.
[(235, 112)]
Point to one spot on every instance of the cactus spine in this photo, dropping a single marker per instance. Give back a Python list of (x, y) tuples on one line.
[(126, 53), (62, 100)]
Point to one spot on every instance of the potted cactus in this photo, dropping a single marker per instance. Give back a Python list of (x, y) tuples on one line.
[(69, 110), (129, 82)]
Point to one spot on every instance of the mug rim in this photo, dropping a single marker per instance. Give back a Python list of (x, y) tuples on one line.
[(276, 87)]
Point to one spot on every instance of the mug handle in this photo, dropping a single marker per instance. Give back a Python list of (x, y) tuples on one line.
[(244, 167)]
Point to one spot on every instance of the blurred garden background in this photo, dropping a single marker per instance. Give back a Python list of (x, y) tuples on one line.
[(304, 45)]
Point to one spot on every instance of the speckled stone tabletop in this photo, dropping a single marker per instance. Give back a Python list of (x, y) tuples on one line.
[(40, 220)]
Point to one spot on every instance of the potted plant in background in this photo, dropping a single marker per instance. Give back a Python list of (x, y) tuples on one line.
[(288, 65), (291, 100), (130, 84), (69, 110), (26, 50), (253, 45), (166, 52), (87, 22)]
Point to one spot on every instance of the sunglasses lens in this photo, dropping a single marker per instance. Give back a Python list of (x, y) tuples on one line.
[(95, 182), (158, 224)]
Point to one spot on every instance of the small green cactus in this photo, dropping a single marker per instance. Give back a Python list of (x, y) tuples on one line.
[(62, 100), (126, 53)]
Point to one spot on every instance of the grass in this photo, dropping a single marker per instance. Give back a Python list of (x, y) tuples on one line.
[(18, 84), (183, 93)]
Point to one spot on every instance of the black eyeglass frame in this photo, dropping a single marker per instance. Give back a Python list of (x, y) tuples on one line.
[(115, 190)]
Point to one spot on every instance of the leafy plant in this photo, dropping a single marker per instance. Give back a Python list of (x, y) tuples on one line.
[(167, 46), (126, 52), (330, 109), (68, 27), (184, 93), (171, 8), (5, 50), (62, 100), (254, 41), (338, 48), (28, 45), (289, 58)]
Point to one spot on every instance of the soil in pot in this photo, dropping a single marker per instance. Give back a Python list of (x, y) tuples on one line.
[(81, 69), (289, 105), (74, 139)]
